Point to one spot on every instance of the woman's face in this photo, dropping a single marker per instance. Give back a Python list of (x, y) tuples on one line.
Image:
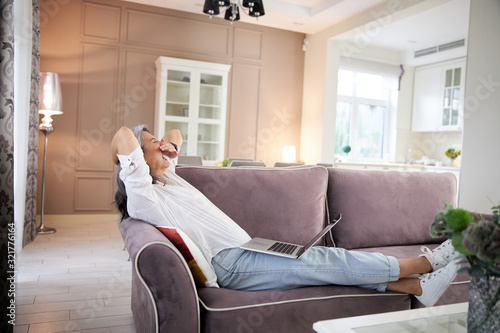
[(153, 155)]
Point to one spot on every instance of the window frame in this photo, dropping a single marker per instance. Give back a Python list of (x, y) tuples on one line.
[(354, 114)]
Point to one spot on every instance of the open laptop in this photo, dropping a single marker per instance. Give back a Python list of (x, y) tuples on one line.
[(285, 249)]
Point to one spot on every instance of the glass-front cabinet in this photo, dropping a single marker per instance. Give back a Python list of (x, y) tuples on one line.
[(438, 97), (191, 96), (453, 76)]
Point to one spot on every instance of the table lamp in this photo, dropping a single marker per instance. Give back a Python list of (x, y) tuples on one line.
[(288, 154)]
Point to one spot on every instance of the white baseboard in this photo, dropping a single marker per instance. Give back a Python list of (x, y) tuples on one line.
[(75, 218)]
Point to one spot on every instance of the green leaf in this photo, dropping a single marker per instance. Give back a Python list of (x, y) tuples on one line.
[(456, 241), (458, 219), (495, 271), (439, 226), (463, 270), (476, 272)]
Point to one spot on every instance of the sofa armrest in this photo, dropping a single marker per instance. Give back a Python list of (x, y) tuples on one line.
[(164, 294)]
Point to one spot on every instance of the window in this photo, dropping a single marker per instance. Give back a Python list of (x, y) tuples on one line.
[(364, 105)]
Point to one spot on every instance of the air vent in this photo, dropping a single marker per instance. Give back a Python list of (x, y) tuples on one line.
[(439, 48), (452, 45), (424, 52)]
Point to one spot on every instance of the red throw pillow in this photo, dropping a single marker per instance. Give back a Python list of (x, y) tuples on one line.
[(202, 271)]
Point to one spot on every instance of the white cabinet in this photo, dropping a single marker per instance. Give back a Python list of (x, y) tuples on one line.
[(191, 96), (426, 99), (438, 95)]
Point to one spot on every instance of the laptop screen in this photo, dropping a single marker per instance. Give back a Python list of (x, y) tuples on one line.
[(338, 217)]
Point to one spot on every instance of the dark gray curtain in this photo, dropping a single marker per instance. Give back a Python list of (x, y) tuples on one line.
[(6, 157), (30, 213)]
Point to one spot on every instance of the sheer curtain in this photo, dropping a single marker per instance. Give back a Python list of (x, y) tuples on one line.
[(19, 67)]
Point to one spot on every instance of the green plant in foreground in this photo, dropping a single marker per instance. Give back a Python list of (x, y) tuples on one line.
[(478, 241)]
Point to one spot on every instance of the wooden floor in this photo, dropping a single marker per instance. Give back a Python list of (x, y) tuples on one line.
[(76, 280)]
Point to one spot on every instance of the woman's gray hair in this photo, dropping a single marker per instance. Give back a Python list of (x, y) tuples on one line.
[(137, 130), (121, 193)]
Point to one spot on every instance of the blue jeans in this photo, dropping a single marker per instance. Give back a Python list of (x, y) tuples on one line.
[(248, 270)]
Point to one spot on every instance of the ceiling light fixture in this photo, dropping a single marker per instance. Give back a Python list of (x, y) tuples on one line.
[(254, 8)]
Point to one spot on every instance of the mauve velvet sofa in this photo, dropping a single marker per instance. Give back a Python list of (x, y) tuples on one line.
[(388, 212)]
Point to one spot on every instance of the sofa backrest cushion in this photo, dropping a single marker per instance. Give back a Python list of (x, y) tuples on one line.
[(286, 204), (384, 208)]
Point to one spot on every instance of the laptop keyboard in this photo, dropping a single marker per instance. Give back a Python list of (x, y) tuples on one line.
[(282, 248)]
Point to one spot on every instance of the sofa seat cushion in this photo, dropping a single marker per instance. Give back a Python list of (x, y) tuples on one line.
[(291, 310), (382, 208), (457, 292), (286, 204)]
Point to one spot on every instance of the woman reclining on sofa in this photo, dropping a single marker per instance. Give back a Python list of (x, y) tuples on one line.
[(148, 189)]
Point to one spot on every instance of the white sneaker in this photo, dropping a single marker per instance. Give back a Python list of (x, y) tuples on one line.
[(441, 255), (434, 284)]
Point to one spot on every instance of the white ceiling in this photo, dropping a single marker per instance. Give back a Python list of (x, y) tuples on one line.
[(307, 16), (446, 22), (442, 24)]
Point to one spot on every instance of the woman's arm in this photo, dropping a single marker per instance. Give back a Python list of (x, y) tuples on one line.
[(171, 137), (174, 136), (135, 182), (124, 142)]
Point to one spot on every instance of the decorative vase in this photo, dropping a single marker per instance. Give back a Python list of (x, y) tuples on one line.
[(484, 305)]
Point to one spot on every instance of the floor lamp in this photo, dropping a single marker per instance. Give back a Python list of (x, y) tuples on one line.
[(49, 104)]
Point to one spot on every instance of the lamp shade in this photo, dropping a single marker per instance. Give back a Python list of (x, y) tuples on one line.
[(257, 9), (210, 8), (289, 154), (49, 99), (49, 94)]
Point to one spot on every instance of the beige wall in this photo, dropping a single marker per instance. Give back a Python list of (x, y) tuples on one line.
[(104, 52)]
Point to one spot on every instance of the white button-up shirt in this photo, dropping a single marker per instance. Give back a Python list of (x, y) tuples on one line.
[(177, 204)]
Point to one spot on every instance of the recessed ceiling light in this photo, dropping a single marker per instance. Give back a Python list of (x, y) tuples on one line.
[(412, 41)]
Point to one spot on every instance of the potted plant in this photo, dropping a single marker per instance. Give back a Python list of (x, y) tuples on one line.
[(452, 154), (478, 239)]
